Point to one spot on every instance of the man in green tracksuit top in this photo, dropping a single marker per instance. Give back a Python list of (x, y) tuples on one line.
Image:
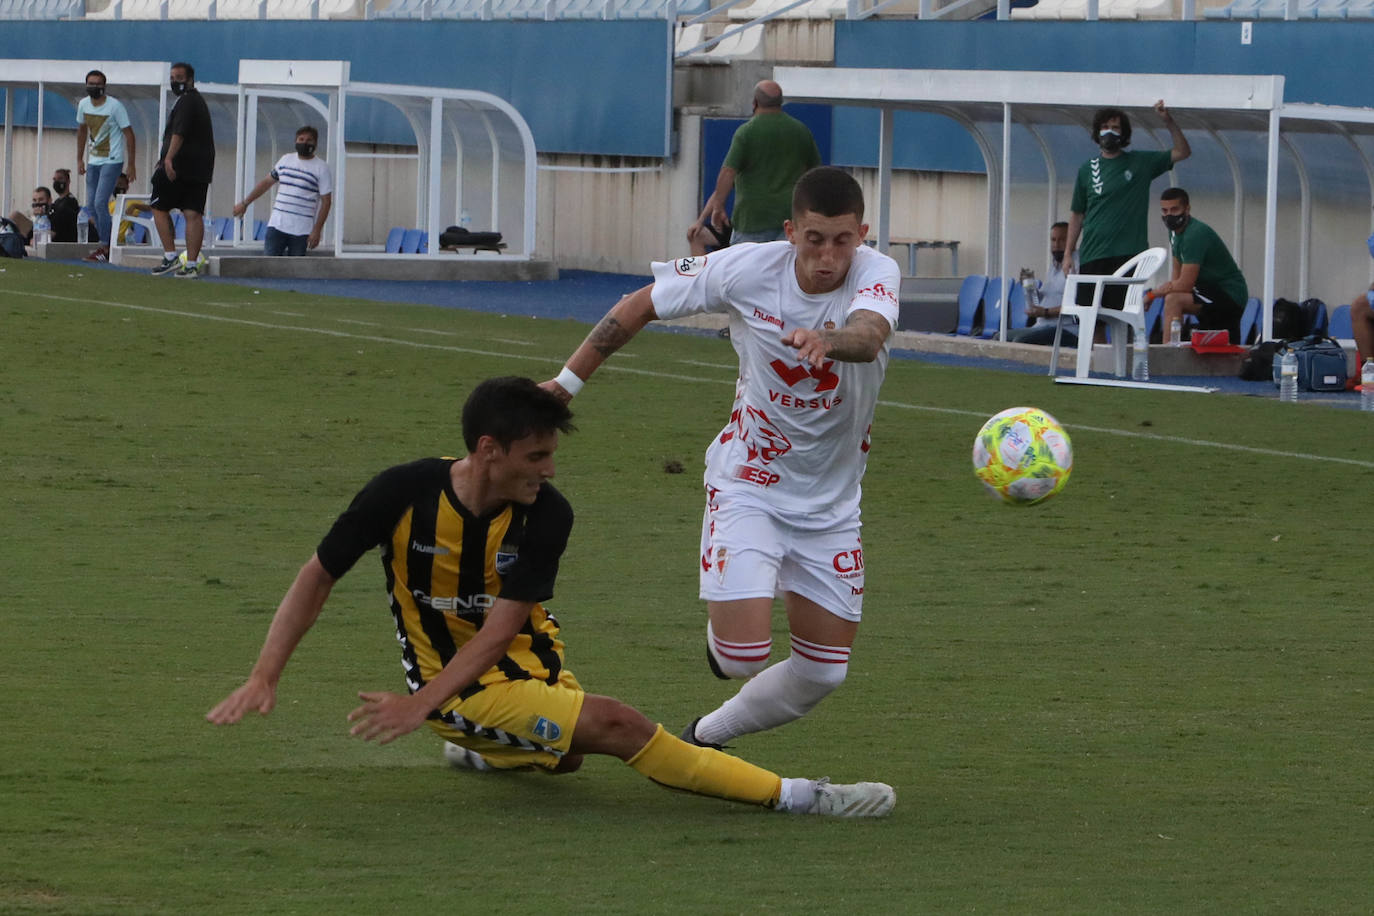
[(1111, 199), (768, 154), (1205, 281)]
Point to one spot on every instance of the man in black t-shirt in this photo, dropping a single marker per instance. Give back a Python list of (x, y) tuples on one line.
[(470, 548), (181, 180)]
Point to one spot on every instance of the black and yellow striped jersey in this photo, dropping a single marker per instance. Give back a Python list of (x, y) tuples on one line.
[(445, 566)]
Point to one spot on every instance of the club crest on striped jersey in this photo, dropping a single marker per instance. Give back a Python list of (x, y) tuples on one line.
[(546, 730), (505, 559)]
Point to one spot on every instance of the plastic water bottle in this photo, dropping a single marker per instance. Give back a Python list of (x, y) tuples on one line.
[(1367, 385), (465, 220), (1140, 370), (42, 230), (1176, 333), (83, 224), (1288, 376)]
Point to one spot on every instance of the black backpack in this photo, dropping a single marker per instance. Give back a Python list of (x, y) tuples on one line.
[(1290, 320), (11, 240), (1258, 362)]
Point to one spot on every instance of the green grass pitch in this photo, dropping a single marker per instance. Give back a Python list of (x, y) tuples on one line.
[(1152, 694)]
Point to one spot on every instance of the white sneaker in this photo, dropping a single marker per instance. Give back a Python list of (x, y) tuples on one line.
[(860, 799), (461, 758)]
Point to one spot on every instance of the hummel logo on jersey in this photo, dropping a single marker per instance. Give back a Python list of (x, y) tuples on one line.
[(771, 319), (428, 548), (1096, 166)]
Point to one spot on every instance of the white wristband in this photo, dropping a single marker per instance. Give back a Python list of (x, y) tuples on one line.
[(569, 382)]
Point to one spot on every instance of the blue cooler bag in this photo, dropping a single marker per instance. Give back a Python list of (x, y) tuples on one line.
[(1321, 363)]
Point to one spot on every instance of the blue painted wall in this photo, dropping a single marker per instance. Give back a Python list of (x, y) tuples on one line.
[(1323, 62), (584, 87)]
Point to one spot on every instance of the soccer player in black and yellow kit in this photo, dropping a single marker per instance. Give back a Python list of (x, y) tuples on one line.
[(470, 548)]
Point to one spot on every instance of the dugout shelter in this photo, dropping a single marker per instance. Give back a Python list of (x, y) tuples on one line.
[(1241, 116)]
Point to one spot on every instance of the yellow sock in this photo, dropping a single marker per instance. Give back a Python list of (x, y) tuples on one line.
[(670, 761)]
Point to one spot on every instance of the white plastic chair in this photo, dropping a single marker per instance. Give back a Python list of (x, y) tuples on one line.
[(1133, 275)]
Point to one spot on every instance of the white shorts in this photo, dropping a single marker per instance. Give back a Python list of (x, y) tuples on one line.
[(746, 552)]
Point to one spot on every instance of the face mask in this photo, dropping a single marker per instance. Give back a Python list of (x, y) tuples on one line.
[(1109, 140), (60, 187), (305, 150), (95, 92), (178, 87), (1057, 254), (1175, 221)]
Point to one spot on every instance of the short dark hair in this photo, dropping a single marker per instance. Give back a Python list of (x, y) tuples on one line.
[(307, 129), (1103, 115), (97, 73), (511, 408), (1059, 225), (1175, 194), (190, 71), (66, 173), (42, 189), (828, 191)]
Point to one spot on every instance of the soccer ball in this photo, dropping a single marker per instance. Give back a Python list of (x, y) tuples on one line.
[(1022, 455)]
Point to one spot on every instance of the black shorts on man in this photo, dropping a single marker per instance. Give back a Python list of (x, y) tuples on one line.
[(183, 195)]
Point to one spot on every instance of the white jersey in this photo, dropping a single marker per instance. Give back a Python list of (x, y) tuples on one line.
[(797, 441), (300, 185)]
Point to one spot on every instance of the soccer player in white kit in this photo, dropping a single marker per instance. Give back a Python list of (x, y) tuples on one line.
[(810, 319)]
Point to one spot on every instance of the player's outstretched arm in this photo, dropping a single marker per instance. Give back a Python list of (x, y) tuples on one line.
[(295, 615), (859, 341), (387, 716), (625, 319)]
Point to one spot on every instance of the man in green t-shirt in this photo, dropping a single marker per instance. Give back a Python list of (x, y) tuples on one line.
[(1205, 281), (768, 154), (1111, 198)]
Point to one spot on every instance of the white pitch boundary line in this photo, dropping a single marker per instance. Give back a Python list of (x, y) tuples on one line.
[(1179, 440)]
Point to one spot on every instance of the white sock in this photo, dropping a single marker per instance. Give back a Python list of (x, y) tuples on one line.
[(782, 693), (797, 795), (169, 254)]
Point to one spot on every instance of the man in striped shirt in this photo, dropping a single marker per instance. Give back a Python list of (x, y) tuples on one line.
[(303, 200)]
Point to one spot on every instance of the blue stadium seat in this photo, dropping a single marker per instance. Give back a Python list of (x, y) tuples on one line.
[(179, 226), (223, 228), (1340, 327), (993, 296), (259, 230), (394, 240), (1016, 301), (138, 233), (1153, 313), (1320, 320), (1250, 322), (411, 241), (970, 296)]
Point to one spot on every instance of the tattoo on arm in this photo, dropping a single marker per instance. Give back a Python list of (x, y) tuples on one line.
[(608, 336), (860, 339)]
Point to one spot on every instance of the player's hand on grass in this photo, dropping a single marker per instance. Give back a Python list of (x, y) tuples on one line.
[(255, 694), (811, 347), (386, 716)]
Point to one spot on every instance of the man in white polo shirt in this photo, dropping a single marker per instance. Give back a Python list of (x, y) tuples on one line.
[(810, 318), (303, 201)]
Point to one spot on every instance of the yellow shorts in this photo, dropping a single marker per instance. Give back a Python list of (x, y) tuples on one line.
[(515, 723)]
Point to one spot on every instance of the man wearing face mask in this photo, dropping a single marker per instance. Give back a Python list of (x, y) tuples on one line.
[(1051, 296), (1111, 198), (303, 201), (1205, 281), (181, 181), (65, 209), (104, 144)]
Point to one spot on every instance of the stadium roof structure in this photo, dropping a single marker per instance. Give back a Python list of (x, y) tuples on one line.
[(473, 150), (1231, 109)]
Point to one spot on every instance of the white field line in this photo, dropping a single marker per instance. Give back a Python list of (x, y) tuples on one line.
[(326, 332)]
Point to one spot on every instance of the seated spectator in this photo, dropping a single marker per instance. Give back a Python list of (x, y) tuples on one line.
[(1205, 281), (1045, 316), (39, 204), (65, 209)]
